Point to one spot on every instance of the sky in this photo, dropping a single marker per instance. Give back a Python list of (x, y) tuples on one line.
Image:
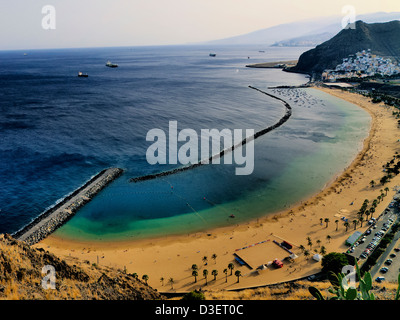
[(103, 23)]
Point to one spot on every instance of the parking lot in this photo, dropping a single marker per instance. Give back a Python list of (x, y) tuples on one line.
[(393, 265), (388, 265)]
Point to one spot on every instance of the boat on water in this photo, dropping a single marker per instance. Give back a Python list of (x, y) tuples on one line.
[(212, 54), (81, 75), (111, 65)]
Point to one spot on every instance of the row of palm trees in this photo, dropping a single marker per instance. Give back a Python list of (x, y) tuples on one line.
[(307, 253), (195, 272), (231, 266), (389, 171)]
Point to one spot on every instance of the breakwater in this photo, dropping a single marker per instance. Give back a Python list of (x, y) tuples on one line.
[(57, 215), (258, 134)]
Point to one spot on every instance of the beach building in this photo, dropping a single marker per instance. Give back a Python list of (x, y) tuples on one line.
[(353, 238)]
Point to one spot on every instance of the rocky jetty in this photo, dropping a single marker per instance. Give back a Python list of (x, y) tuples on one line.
[(260, 133), (56, 216)]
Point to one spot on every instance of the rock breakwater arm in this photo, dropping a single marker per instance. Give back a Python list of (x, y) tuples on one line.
[(258, 134), (56, 216)]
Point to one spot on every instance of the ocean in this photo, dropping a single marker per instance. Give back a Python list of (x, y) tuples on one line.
[(58, 130)]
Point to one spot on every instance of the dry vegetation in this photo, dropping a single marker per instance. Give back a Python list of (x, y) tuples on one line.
[(294, 291), (21, 277)]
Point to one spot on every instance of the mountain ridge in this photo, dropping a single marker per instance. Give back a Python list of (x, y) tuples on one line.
[(300, 29)]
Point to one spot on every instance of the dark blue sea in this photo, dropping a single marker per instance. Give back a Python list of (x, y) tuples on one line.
[(57, 130)]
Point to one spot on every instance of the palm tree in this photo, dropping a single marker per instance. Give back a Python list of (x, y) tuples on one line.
[(355, 222), (337, 224), (231, 266), (171, 281), (205, 259), (226, 274), (327, 221), (195, 267), (162, 281), (135, 275), (195, 274), (302, 248), (205, 274), (214, 273), (238, 274), (318, 242), (367, 213), (346, 225), (214, 257), (328, 237), (320, 219), (386, 189), (379, 198), (145, 277), (306, 253), (309, 242), (372, 210), (361, 219), (372, 183), (322, 250)]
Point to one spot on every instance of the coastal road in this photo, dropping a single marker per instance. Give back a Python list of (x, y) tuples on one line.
[(394, 268)]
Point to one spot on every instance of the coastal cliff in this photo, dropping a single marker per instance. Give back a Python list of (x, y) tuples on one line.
[(381, 38)]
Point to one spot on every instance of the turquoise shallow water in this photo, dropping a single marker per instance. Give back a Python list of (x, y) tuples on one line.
[(322, 137)]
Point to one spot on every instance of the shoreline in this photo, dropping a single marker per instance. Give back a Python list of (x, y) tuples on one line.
[(172, 256)]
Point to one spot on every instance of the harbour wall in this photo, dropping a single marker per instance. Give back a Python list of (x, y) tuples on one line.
[(281, 121), (60, 213)]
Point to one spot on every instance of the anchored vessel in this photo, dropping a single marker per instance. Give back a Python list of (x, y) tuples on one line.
[(111, 65)]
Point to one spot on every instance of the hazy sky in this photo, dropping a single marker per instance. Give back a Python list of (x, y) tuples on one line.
[(87, 23)]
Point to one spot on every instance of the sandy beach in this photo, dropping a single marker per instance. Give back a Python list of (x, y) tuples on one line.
[(173, 257)]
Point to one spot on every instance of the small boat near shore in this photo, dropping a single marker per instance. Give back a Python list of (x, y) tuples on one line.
[(111, 65), (81, 75), (212, 54)]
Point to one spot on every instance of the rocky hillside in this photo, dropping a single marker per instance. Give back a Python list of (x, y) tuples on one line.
[(21, 277), (381, 38)]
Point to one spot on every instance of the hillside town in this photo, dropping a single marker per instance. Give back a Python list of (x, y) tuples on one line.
[(362, 64)]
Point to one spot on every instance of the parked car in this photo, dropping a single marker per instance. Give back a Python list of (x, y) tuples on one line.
[(384, 270), (393, 255), (380, 279), (388, 262), (363, 255)]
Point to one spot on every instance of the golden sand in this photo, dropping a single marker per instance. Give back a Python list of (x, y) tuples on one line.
[(172, 257)]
